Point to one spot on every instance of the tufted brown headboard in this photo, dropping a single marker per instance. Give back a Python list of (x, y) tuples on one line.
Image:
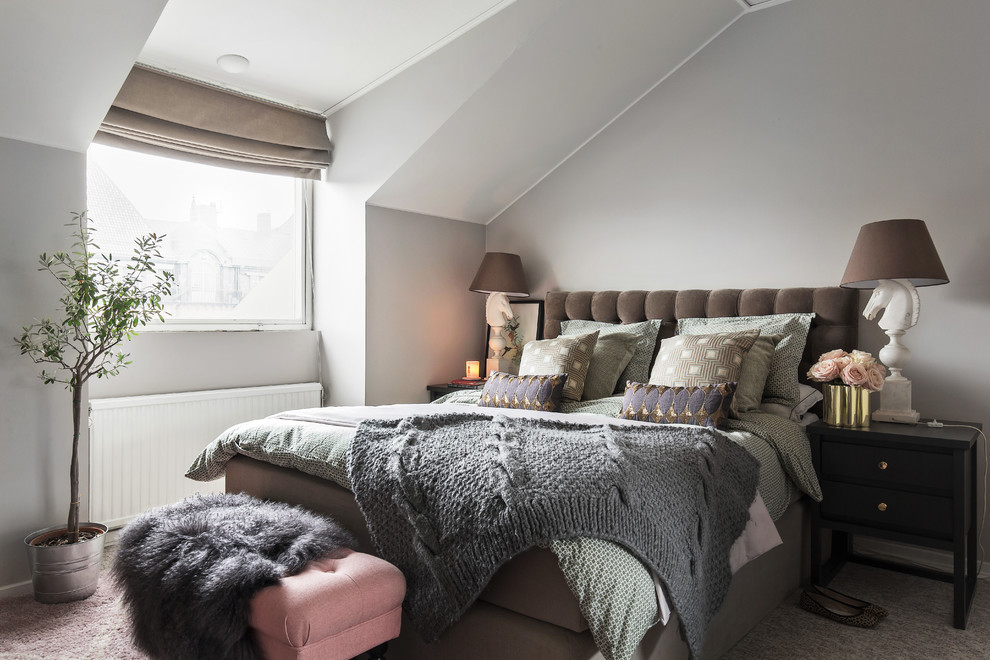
[(834, 326)]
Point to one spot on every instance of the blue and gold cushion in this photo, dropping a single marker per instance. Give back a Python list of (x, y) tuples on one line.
[(704, 405), (505, 390)]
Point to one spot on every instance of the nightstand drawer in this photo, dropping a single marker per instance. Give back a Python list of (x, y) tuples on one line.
[(909, 483), (887, 508), (885, 465)]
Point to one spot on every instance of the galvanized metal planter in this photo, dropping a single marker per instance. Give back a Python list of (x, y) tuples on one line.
[(65, 573)]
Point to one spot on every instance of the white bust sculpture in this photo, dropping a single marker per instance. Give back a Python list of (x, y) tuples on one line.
[(497, 311), (899, 301), (901, 305)]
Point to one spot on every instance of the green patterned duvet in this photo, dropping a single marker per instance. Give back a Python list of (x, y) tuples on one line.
[(615, 592)]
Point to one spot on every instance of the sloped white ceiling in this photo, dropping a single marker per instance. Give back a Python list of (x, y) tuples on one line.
[(585, 64), (578, 65), (314, 54), (376, 134), (64, 61), (572, 70)]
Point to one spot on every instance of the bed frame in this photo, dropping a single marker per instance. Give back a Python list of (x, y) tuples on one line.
[(527, 610)]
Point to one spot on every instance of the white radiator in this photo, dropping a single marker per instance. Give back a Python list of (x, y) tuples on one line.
[(141, 446)]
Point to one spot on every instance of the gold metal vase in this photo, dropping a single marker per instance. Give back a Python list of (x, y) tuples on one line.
[(847, 406)]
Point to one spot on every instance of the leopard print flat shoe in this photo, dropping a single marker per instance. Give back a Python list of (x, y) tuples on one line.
[(838, 611), (849, 600)]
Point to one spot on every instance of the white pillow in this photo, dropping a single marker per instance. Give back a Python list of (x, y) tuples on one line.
[(809, 396)]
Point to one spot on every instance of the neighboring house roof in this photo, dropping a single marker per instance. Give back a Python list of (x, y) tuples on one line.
[(118, 223), (115, 219), (241, 247)]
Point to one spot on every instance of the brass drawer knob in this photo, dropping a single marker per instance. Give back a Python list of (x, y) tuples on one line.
[(882, 465), (882, 506)]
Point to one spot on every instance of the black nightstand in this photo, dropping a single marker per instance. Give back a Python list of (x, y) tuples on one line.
[(911, 484), (437, 391)]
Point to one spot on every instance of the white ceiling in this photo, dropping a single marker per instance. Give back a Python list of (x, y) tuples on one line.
[(565, 70), (575, 66), (313, 54), (62, 62), (584, 65)]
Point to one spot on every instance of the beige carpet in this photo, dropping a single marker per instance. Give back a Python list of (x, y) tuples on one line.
[(91, 629), (919, 625)]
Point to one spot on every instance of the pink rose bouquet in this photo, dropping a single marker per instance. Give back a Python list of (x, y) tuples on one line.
[(857, 368)]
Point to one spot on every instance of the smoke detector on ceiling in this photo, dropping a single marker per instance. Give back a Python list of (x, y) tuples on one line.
[(232, 63)]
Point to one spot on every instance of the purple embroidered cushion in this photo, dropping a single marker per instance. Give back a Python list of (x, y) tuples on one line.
[(505, 390), (702, 405)]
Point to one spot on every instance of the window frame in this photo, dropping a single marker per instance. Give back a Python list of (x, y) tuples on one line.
[(304, 202)]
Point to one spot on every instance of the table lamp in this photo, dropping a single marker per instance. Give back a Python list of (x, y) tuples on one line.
[(892, 257), (500, 276)]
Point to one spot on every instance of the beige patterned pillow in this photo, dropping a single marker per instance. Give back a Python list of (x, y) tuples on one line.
[(563, 355), (692, 360), (782, 380), (638, 369)]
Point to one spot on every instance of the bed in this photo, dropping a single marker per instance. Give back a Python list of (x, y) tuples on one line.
[(529, 608)]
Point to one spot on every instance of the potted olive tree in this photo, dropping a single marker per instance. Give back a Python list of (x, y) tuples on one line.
[(105, 300)]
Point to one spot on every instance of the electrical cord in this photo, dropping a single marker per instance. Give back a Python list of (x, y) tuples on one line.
[(935, 424)]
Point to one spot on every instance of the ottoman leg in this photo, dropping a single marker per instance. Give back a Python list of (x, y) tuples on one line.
[(378, 653)]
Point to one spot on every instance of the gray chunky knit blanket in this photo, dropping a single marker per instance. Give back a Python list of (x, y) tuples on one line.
[(450, 498)]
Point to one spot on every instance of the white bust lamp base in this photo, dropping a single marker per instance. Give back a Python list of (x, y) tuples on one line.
[(895, 397), (497, 343), (499, 364)]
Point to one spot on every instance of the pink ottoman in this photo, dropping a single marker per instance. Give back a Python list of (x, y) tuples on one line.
[(337, 608)]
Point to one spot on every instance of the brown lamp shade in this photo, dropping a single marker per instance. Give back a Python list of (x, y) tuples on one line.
[(501, 271), (893, 250)]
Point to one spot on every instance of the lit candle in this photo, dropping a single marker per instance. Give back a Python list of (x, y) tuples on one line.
[(473, 369)]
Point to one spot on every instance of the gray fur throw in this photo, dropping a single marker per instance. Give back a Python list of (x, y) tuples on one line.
[(188, 570), (449, 498)]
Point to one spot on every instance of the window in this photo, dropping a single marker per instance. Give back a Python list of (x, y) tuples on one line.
[(235, 241)]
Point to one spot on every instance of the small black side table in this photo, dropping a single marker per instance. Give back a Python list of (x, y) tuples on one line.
[(437, 391), (908, 483)]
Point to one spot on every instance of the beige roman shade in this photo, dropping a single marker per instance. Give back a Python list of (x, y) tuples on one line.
[(160, 114)]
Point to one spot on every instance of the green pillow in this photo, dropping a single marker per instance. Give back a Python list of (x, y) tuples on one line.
[(638, 369), (782, 380), (612, 354), (753, 375)]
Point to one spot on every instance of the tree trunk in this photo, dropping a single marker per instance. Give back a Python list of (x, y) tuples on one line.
[(73, 523)]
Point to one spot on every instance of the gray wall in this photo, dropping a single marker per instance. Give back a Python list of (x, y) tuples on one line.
[(39, 186), (423, 323), (756, 163), (373, 137), (164, 362)]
